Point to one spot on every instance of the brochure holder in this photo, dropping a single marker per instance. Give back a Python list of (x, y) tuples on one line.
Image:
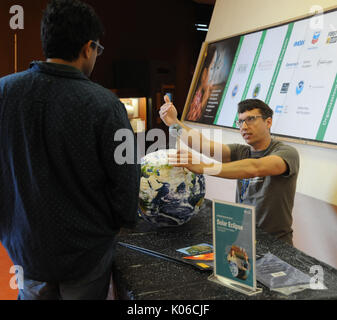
[(234, 285), (234, 247)]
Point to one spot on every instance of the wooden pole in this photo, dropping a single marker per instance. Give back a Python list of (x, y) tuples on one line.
[(15, 53)]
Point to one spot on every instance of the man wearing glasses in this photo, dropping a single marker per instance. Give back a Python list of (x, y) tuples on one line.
[(266, 170), (63, 196)]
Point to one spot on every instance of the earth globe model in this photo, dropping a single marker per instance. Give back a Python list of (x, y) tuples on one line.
[(169, 196)]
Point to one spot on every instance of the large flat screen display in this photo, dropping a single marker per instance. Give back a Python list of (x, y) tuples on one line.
[(292, 67)]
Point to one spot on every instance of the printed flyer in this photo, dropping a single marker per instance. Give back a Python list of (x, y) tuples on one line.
[(234, 243), (200, 255)]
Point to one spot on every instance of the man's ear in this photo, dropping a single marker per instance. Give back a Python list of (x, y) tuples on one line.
[(269, 122), (86, 50)]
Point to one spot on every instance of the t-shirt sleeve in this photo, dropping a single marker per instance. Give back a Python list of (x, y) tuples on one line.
[(238, 151), (290, 156)]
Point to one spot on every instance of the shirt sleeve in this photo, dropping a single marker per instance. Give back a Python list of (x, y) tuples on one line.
[(119, 155), (238, 151), (291, 158)]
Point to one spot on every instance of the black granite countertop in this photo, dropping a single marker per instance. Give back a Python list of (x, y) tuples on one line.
[(142, 277)]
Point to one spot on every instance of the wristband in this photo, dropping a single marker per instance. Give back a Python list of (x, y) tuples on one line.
[(175, 130)]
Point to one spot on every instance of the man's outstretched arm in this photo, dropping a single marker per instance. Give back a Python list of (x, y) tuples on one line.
[(242, 169)]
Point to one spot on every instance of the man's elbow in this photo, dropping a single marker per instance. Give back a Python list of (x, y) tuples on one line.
[(260, 170), (255, 169)]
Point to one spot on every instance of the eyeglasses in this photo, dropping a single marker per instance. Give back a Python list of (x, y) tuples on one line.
[(249, 120), (100, 48)]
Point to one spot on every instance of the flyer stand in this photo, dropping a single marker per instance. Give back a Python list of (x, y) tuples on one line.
[(234, 247)]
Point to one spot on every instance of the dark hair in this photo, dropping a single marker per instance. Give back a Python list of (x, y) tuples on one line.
[(66, 26), (250, 104)]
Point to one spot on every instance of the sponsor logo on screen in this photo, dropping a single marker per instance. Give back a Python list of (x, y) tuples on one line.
[(285, 87), (316, 87), (235, 90), (266, 65), (307, 64), (300, 87), (303, 110), (299, 43), (257, 90), (290, 65), (315, 37), (242, 68), (332, 37), (324, 62), (279, 109)]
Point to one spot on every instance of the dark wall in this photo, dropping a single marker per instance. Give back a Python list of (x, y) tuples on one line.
[(148, 44), (28, 39)]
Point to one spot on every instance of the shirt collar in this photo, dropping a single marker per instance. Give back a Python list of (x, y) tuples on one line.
[(261, 152), (58, 70)]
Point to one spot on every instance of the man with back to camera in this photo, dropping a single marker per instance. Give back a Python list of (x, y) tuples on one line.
[(63, 196), (266, 170)]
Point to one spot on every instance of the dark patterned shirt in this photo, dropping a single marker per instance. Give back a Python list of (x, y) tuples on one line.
[(63, 196)]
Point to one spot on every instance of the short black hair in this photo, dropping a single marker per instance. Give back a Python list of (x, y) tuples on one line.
[(66, 26), (250, 104)]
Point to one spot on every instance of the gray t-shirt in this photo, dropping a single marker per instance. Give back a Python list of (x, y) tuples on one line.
[(272, 196)]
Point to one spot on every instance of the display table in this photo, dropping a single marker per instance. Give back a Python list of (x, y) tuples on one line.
[(142, 277)]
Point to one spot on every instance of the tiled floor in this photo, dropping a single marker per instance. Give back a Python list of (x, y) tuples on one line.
[(6, 293)]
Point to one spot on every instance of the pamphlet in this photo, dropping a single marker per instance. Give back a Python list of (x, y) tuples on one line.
[(197, 249), (280, 276), (205, 257), (200, 255), (205, 261)]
